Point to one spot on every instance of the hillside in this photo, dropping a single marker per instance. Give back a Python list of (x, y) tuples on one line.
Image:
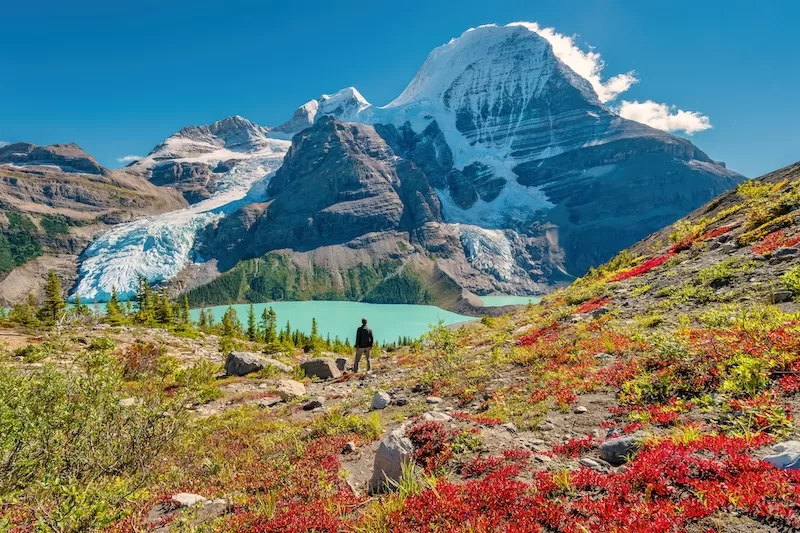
[(53, 201), (656, 393)]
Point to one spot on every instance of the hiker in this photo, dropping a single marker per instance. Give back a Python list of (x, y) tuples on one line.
[(363, 344)]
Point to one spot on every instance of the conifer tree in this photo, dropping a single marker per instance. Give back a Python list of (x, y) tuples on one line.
[(53, 305), (251, 324), (185, 310), (163, 313), (271, 333), (231, 326), (80, 308), (202, 320), (114, 314)]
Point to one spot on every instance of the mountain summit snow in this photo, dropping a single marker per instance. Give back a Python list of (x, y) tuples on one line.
[(497, 169)]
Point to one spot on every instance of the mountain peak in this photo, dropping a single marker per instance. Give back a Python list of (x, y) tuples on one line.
[(490, 61), (69, 157)]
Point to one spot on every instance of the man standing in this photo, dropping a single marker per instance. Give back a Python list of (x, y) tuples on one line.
[(363, 344)]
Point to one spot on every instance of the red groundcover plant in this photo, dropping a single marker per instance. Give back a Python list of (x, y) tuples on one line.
[(775, 240), (592, 305), (667, 486)]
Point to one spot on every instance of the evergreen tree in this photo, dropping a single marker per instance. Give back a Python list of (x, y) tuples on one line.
[(202, 320), (231, 327), (114, 314), (163, 313), (252, 332), (80, 308), (271, 332), (184, 315), (146, 303), (53, 305)]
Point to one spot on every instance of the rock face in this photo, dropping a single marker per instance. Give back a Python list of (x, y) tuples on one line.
[(321, 367), (68, 157), (394, 451), (195, 180)]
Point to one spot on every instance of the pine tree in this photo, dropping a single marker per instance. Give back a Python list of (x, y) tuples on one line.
[(251, 324), (163, 311), (231, 326), (114, 314), (184, 316), (53, 305), (80, 308), (202, 320), (271, 333)]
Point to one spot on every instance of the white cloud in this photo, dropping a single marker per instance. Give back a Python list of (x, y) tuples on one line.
[(4, 143), (664, 117), (589, 65), (129, 158)]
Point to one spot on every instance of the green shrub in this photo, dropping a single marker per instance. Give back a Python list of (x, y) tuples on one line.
[(71, 452), (791, 280), (101, 344)]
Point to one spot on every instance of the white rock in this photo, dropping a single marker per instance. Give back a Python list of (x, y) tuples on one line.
[(433, 399), (289, 389), (787, 455), (581, 409), (187, 499), (436, 416)]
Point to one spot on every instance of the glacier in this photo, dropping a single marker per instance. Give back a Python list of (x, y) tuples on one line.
[(158, 247)]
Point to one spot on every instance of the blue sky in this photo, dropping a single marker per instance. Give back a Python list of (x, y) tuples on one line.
[(118, 77)]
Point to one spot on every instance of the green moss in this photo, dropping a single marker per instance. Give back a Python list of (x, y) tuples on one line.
[(19, 241)]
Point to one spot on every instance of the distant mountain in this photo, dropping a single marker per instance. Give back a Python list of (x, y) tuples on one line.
[(498, 169)]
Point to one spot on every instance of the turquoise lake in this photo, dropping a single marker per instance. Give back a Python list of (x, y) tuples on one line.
[(388, 321)]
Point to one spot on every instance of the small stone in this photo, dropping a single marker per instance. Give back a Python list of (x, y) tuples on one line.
[(129, 402), (599, 312), (787, 253), (401, 401), (510, 427), (603, 355), (349, 447), (436, 416), (187, 499), (616, 451), (543, 458), (536, 442), (381, 400), (317, 402), (580, 410), (268, 402), (341, 363), (288, 389), (433, 399), (591, 463), (779, 297), (545, 426)]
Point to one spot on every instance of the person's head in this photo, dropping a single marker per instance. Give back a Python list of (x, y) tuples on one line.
[(363, 321)]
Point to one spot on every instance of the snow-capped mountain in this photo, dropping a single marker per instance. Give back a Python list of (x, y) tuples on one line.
[(504, 170)]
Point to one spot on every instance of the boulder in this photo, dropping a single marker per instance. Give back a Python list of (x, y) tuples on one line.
[(243, 363), (394, 451), (786, 455), (381, 400), (616, 451), (289, 389), (321, 367), (782, 296)]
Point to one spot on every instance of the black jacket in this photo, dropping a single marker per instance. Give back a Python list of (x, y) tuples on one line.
[(364, 337)]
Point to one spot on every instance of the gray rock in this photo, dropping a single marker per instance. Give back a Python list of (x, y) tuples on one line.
[(785, 253), (321, 367), (433, 399), (203, 511), (349, 447), (782, 296), (616, 451), (436, 416), (603, 355), (289, 389), (599, 312), (268, 402), (580, 410), (543, 458), (510, 427), (401, 401), (591, 463), (243, 363), (786, 455), (341, 363), (381, 400), (545, 425), (394, 451)]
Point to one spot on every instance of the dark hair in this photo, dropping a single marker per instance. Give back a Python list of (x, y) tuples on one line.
[(364, 321)]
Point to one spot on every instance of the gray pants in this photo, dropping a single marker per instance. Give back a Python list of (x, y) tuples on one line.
[(359, 353)]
